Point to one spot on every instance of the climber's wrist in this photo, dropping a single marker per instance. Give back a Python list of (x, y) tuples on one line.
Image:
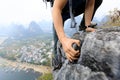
[(62, 38)]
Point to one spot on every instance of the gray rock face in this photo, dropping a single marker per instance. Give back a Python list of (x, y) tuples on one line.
[(99, 59)]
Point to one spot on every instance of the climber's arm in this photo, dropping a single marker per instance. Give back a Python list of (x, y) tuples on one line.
[(57, 18), (58, 24), (89, 8)]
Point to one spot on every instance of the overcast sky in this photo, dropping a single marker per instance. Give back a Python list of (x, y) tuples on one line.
[(24, 11)]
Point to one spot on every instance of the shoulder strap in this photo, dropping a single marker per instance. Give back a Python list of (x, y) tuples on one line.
[(51, 2), (73, 22)]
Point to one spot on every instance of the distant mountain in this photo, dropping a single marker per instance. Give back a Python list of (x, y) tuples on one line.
[(39, 28), (34, 29), (19, 31), (16, 30), (12, 30), (46, 26), (105, 19)]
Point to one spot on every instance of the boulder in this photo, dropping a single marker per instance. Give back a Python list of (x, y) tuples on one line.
[(99, 57)]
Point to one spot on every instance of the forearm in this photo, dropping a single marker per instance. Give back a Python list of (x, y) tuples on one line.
[(89, 9), (58, 23)]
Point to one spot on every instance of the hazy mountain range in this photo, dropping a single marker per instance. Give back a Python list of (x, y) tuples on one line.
[(34, 28)]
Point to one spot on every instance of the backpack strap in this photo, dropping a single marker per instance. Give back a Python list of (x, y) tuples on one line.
[(73, 22), (51, 2)]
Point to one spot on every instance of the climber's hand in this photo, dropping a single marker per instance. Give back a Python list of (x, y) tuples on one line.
[(71, 54), (89, 29)]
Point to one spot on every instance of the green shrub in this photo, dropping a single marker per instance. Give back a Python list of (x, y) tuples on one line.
[(47, 76), (47, 62)]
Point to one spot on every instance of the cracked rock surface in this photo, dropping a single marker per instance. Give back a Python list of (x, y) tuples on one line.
[(99, 59)]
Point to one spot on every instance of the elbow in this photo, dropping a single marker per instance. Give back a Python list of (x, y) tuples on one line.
[(56, 11)]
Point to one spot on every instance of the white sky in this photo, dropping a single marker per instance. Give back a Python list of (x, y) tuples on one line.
[(24, 11), (106, 6)]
